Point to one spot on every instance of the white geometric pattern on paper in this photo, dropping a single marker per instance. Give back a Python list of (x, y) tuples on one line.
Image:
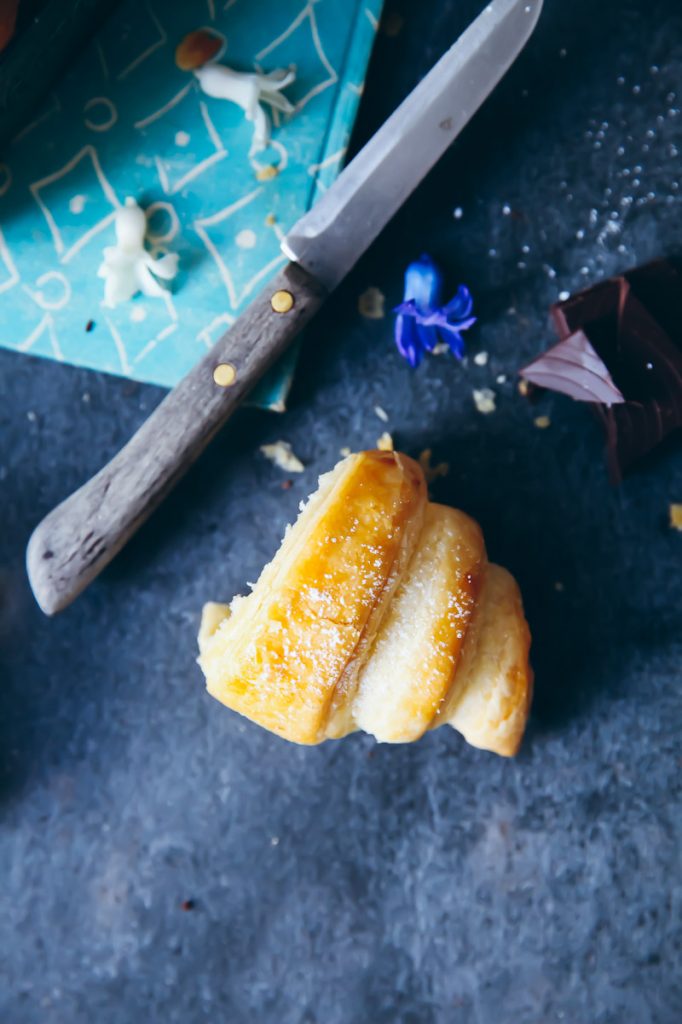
[(67, 234), (9, 275), (285, 46)]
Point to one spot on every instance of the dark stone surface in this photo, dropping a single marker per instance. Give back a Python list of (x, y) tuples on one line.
[(353, 883)]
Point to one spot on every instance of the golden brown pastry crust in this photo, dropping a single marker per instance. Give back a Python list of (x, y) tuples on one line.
[(289, 655), (413, 664), (379, 613), (492, 702)]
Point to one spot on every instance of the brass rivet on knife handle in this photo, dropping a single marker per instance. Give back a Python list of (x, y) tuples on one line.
[(282, 301), (224, 375)]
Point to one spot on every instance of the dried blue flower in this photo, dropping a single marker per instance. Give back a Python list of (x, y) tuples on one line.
[(422, 320)]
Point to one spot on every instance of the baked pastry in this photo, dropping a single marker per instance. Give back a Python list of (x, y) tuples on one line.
[(379, 612)]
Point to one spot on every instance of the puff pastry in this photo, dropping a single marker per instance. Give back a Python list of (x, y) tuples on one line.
[(379, 612)]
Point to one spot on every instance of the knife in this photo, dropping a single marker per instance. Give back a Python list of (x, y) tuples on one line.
[(80, 536)]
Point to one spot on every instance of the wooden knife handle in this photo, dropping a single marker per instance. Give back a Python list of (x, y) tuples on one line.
[(82, 534)]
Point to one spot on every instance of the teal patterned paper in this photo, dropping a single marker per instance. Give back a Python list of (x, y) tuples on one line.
[(126, 121)]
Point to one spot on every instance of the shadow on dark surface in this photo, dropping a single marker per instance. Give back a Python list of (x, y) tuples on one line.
[(17, 709)]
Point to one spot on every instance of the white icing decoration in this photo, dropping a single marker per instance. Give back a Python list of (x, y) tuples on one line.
[(127, 267), (249, 90)]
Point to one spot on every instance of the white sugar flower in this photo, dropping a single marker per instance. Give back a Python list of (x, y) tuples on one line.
[(199, 51), (127, 267), (249, 91)]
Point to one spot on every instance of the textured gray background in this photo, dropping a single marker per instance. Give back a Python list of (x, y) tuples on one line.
[(353, 883)]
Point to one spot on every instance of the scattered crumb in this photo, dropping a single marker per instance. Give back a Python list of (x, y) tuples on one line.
[(267, 173), (440, 348), (484, 400), (281, 454), (458, 213), (187, 905), (432, 472), (481, 358), (274, 840), (676, 516), (559, 587), (371, 304), (385, 442), (286, 485), (90, 326), (392, 24), (563, 296), (542, 422), (501, 378), (345, 451), (381, 413), (270, 220), (524, 388), (86, 396), (31, 415)]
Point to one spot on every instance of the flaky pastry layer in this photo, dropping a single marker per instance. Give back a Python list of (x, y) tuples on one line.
[(289, 654), (379, 612)]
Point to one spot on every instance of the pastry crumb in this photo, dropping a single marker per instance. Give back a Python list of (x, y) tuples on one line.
[(381, 413), (676, 516), (432, 473), (484, 400), (267, 173), (392, 24), (542, 422), (385, 442), (270, 220), (440, 349), (281, 455), (345, 451), (523, 388), (501, 378), (371, 304), (481, 358)]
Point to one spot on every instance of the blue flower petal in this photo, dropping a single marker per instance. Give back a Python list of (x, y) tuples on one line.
[(455, 343), (421, 320), (459, 307), (409, 308), (407, 340), (424, 284), (428, 336), (457, 325)]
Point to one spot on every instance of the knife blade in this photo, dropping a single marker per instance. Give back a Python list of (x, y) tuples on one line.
[(75, 541), (330, 238)]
